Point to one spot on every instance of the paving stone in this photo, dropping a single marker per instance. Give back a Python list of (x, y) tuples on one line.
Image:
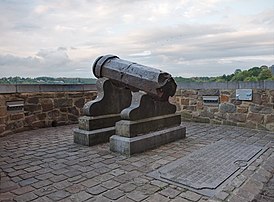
[(90, 183), (96, 190), (110, 184), (45, 190), (22, 190), (114, 194), (32, 168), (62, 185), (157, 198), (127, 187), (26, 197), (58, 178), (40, 184), (159, 183), (124, 199), (75, 188), (42, 199), (100, 199), (170, 193), (117, 172), (45, 176), (190, 196), (81, 196), (221, 195), (179, 199), (58, 195), (28, 181), (148, 189), (137, 196), (7, 196)]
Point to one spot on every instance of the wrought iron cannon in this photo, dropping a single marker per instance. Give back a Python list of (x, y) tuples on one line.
[(132, 100), (160, 85)]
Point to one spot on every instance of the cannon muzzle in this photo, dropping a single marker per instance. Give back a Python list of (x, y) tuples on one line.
[(134, 76)]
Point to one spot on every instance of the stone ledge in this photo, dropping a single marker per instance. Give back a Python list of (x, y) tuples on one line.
[(129, 146), (27, 88), (90, 138)]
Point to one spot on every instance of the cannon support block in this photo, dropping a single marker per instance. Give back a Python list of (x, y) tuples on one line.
[(146, 124), (102, 113)]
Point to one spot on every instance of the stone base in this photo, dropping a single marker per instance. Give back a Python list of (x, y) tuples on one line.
[(129, 146), (127, 128), (90, 138), (91, 123)]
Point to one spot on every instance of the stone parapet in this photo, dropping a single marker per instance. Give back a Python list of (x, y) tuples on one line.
[(41, 106), (257, 113)]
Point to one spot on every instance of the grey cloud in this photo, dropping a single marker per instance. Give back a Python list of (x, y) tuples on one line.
[(45, 62)]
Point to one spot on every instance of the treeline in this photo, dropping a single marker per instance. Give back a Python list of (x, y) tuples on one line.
[(252, 74), (46, 80)]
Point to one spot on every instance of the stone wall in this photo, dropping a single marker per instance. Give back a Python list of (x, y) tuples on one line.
[(51, 105), (43, 105), (257, 113)]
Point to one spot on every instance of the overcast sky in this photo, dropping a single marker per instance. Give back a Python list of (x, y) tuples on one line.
[(183, 37)]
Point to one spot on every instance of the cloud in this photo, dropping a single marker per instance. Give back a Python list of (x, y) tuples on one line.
[(64, 37)]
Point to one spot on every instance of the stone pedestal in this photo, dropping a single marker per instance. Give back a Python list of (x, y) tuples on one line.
[(145, 125), (101, 114)]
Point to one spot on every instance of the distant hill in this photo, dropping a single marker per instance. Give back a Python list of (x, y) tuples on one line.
[(46, 80), (252, 74)]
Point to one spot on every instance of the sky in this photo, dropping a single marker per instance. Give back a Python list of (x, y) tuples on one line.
[(62, 38)]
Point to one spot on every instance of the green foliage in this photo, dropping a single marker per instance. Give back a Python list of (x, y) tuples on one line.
[(46, 80), (252, 74), (265, 74)]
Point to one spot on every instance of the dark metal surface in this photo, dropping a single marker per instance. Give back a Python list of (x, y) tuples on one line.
[(205, 170), (153, 81)]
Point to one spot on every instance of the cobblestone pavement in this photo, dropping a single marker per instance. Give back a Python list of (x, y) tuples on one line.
[(45, 165)]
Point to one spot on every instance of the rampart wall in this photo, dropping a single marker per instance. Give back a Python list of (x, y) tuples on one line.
[(197, 103), (27, 107)]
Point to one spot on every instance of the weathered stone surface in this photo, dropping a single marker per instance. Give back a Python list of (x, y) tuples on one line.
[(93, 137), (62, 102), (260, 109), (108, 99), (79, 103), (33, 100), (206, 113), (3, 111), (144, 106), (224, 98), (128, 146), (256, 98), (92, 123), (237, 117), (214, 92), (133, 128), (47, 105), (227, 108), (242, 109), (184, 101), (258, 118), (269, 119)]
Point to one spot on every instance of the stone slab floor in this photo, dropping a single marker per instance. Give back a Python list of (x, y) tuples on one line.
[(45, 165)]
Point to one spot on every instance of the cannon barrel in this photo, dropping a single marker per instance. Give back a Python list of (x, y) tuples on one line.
[(134, 76)]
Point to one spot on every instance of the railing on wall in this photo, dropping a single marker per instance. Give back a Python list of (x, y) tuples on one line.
[(26, 88)]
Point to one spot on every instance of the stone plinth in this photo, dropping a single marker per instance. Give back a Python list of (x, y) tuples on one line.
[(94, 137), (146, 124), (101, 114), (138, 144)]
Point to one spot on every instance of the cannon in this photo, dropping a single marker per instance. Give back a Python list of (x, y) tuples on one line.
[(132, 108), (160, 85)]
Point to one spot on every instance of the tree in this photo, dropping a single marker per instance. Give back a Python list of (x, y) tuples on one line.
[(265, 74)]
